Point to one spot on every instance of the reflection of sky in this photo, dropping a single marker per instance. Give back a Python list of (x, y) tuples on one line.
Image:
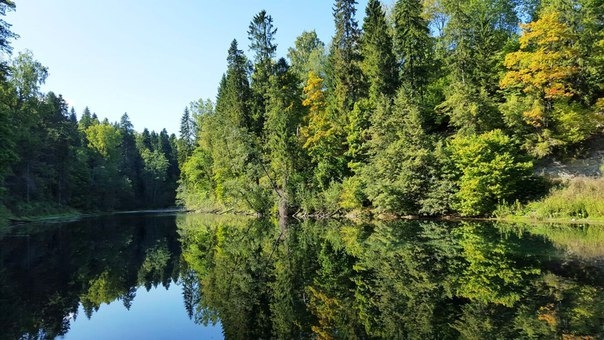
[(156, 314)]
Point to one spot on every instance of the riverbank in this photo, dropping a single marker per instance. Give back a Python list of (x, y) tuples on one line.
[(575, 200), (8, 220)]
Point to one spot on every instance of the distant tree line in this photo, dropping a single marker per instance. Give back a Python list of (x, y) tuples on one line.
[(430, 107), (51, 162)]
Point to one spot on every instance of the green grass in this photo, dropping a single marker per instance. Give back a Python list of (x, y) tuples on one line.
[(577, 199), (40, 211)]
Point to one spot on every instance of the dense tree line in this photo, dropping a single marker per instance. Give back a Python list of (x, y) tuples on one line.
[(51, 162), (430, 107)]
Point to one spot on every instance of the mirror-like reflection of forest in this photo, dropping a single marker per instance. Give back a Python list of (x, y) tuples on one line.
[(333, 279)]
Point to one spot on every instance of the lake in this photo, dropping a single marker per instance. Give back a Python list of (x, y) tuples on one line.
[(189, 276)]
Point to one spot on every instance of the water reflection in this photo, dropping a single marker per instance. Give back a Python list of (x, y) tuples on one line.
[(262, 279), (47, 271), (413, 280)]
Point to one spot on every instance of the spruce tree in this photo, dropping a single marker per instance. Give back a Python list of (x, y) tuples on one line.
[(131, 163), (379, 64), (261, 34), (186, 142), (397, 175), (413, 46), (284, 115), (344, 58), (5, 34)]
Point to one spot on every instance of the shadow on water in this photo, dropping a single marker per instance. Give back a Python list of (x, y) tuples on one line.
[(46, 271), (331, 279)]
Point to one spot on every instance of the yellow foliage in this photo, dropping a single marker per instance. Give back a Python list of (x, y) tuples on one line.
[(548, 314), (319, 128), (313, 91), (546, 61), (534, 116), (103, 138), (600, 105)]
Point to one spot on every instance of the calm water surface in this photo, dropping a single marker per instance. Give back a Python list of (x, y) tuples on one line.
[(186, 276)]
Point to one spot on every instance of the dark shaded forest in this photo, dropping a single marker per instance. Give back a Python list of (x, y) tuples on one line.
[(52, 162)]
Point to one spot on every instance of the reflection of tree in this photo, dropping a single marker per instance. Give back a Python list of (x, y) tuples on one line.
[(384, 280), (153, 268), (332, 292), (405, 283), (494, 273), (309, 280), (47, 272), (234, 287)]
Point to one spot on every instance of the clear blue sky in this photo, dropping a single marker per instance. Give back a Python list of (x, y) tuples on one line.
[(150, 58)]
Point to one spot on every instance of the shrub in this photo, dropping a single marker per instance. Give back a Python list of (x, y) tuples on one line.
[(491, 169)]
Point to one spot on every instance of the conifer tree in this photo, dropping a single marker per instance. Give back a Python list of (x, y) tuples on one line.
[(261, 34), (379, 64), (283, 149), (186, 142), (131, 163), (5, 34), (397, 173), (413, 46), (345, 77)]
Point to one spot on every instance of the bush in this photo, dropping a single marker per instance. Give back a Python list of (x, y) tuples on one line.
[(491, 170)]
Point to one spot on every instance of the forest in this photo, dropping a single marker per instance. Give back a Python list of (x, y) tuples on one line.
[(433, 107), (51, 162), (425, 108)]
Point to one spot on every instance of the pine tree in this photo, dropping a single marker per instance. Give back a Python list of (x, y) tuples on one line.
[(379, 64), (261, 34), (413, 46), (344, 70), (186, 142)]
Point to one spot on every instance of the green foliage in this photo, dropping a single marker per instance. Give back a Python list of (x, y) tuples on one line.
[(491, 170), (60, 163), (549, 73), (379, 64), (104, 139), (412, 44), (378, 111), (308, 54), (388, 280), (269, 279), (396, 175), (578, 198), (186, 142)]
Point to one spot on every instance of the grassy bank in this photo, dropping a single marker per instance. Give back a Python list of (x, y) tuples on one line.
[(38, 211), (580, 199)]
